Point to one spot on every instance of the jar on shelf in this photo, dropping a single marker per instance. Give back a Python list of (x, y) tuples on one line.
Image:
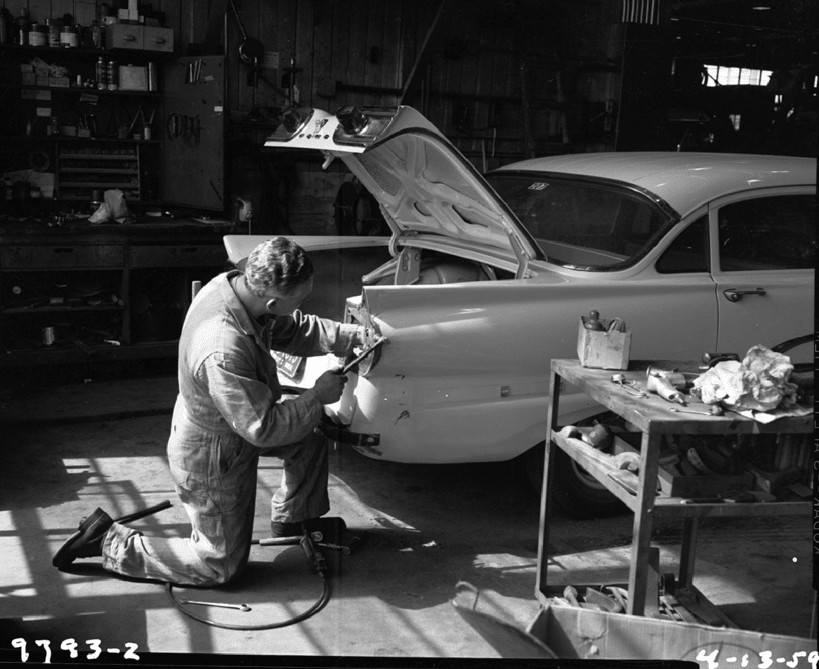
[(102, 82), (37, 35), (112, 74), (69, 38), (53, 27)]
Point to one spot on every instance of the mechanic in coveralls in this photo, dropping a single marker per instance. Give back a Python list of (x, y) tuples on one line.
[(229, 410)]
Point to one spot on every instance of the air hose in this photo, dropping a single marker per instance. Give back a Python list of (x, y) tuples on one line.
[(317, 564)]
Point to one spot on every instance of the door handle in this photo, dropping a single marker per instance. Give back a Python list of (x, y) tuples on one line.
[(735, 295)]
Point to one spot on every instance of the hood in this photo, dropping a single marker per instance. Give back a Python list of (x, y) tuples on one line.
[(428, 192)]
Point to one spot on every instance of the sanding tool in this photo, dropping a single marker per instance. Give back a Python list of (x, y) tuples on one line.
[(369, 349)]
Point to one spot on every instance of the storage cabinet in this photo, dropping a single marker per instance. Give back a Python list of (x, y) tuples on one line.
[(65, 137), (113, 293)]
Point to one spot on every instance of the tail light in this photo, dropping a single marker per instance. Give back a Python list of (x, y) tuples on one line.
[(361, 126)]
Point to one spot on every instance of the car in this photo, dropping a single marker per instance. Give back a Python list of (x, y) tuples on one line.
[(487, 277)]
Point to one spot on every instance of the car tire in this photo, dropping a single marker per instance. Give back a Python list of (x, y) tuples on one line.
[(575, 493)]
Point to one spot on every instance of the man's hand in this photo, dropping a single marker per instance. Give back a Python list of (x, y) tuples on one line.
[(329, 386)]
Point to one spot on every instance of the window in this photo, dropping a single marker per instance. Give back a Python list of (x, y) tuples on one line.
[(581, 224), (688, 252), (736, 76), (768, 233)]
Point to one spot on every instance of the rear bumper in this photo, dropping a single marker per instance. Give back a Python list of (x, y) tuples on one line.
[(365, 443)]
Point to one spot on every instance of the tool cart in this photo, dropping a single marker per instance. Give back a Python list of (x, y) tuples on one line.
[(651, 492)]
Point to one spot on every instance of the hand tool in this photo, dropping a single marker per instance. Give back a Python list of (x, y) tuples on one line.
[(363, 354), (660, 386), (570, 593), (136, 515), (346, 548), (602, 600), (620, 595), (628, 386), (239, 607), (711, 359), (286, 541), (714, 411)]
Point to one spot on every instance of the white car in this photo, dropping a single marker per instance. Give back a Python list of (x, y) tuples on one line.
[(489, 276)]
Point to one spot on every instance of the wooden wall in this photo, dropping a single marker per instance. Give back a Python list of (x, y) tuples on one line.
[(504, 79)]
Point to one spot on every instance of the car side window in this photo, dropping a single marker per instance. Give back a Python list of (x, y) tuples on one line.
[(688, 252), (768, 233)]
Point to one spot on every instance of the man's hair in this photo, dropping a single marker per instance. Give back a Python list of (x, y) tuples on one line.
[(277, 264)]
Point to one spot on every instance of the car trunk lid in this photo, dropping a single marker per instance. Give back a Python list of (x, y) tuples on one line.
[(427, 190)]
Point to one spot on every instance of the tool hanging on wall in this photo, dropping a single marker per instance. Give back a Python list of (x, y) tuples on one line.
[(251, 50)]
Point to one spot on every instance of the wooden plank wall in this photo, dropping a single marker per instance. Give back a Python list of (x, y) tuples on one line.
[(469, 76)]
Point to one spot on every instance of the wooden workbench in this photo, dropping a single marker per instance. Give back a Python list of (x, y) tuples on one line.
[(652, 417)]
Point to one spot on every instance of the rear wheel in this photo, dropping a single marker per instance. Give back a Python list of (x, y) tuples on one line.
[(575, 492)]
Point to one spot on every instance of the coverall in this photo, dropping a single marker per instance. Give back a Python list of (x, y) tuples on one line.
[(227, 412)]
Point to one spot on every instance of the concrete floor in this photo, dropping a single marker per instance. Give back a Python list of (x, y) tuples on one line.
[(95, 439)]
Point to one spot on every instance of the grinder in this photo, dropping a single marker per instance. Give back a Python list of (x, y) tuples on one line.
[(658, 384)]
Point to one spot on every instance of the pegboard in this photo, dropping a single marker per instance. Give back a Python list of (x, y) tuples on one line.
[(193, 126)]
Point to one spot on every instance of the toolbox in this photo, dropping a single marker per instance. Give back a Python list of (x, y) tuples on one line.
[(604, 349)]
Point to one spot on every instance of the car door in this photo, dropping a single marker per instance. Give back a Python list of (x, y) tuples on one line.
[(764, 247)]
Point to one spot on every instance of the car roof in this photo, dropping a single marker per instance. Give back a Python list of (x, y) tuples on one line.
[(685, 181)]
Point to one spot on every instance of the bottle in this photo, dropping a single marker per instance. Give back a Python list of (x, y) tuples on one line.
[(96, 34), (53, 27), (102, 83), (6, 26), (22, 27), (152, 77), (113, 75), (592, 321)]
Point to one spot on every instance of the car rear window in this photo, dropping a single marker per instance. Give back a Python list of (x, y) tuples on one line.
[(581, 224)]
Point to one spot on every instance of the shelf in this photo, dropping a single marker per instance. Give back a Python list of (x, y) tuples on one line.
[(86, 170), (97, 184), (61, 310), (96, 156), (74, 89), (63, 138), (83, 52)]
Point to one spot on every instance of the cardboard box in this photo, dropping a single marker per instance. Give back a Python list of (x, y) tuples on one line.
[(133, 78), (573, 633), (603, 350)]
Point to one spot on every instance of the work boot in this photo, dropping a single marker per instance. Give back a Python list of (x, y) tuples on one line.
[(330, 528), (86, 541), (278, 529)]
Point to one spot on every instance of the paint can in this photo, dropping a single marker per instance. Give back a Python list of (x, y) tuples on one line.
[(48, 336)]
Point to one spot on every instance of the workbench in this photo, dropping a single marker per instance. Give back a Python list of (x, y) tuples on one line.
[(652, 417)]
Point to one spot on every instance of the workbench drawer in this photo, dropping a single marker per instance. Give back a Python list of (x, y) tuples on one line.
[(59, 257), (124, 36), (159, 39), (204, 255)]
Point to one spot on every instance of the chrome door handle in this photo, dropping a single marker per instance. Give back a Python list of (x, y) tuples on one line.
[(735, 295)]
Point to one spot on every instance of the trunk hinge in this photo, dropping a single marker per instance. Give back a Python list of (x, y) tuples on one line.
[(520, 254)]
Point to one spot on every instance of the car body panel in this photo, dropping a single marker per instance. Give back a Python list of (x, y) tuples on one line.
[(464, 375)]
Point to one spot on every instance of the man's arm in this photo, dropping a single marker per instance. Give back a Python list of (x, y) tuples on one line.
[(306, 335)]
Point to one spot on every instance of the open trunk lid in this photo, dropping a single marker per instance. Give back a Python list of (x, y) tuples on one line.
[(425, 187)]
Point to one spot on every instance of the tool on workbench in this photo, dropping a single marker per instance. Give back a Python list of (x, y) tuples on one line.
[(715, 410), (628, 385), (660, 386), (711, 359)]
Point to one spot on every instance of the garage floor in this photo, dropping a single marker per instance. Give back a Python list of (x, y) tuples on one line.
[(92, 439)]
